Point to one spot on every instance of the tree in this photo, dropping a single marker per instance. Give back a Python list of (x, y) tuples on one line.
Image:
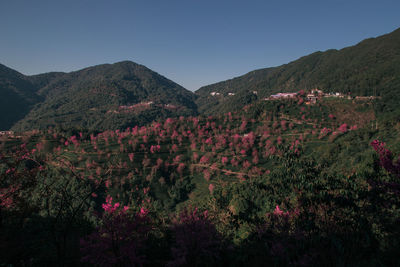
[(120, 238)]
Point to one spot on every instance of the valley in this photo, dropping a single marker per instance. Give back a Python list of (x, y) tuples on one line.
[(116, 165)]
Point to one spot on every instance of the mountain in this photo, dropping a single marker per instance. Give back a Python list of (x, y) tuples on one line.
[(114, 96), (17, 96), (108, 96), (368, 68)]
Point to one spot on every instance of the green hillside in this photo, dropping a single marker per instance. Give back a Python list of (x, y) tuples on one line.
[(116, 96), (109, 96), (17, 96), (278, 183), (368, 68)]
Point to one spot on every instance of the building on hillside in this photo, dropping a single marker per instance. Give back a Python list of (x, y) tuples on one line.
[(214, 93), (311, 99), (331, 94), (6, 133), (231, 94), (125, 107), (282, 96), (170, 106), (366, 97), (317, 92), (337, 94)]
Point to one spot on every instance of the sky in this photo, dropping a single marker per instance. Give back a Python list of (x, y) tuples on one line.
[(193, 43)]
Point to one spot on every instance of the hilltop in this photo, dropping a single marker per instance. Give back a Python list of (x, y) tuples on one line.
[(108, 96)]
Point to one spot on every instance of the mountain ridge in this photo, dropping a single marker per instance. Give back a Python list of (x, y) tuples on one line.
[(360, 69), (91, 97)]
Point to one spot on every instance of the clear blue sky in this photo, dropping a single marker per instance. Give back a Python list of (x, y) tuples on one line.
[(193, 43)]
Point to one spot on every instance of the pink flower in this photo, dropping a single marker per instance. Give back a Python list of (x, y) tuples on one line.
[(209, 141), (386, 158), (207, 174), (246, 164), (143, 211), (278, 211), (108, 206), (10, 170), (211, 188), (193, 146), (204, 159), (343, 128), (174, 148), (234, 162), (180, 168), (195, 156), (279, 140), (243, 126)]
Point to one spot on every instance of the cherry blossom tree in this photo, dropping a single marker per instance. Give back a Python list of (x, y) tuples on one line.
[(120, 238)]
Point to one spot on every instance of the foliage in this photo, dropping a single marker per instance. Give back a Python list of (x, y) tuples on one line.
[(278, 183), (197, 243), (109, 96), (119, 239), (368, 68)]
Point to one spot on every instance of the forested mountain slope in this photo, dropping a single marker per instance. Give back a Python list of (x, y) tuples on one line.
[(109, 96), (371, 67), (17, 95)]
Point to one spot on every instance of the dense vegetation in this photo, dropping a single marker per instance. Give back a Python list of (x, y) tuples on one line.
[(17, 97), (123, 172), (91, 98), (277, 183), (110, 96), (366, 69)]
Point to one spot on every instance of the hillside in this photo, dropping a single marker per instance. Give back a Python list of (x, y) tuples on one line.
[(115, 96), (368, 68), (17, 96), (109, 96), (278, 183)]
